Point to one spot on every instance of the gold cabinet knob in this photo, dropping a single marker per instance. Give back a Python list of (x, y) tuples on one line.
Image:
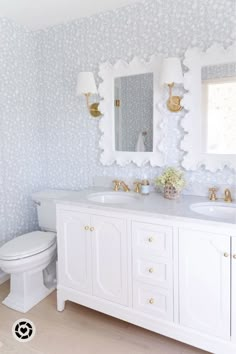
[(86, 228), (151, 270), (151, 301), (91, 229), (226, 254), (234, 256), (150, 239)]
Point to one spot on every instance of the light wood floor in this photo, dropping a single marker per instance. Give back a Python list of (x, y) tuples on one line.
[(79, 330)]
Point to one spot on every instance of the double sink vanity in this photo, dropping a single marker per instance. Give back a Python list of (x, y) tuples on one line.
[(168, 266)]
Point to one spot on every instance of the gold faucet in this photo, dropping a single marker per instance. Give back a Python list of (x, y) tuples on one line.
[(137, 188), (116, 185), (228, 197), (124, 186), (212, 195)]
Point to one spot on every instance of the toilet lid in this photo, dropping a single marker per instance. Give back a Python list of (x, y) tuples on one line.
[(27, 245)]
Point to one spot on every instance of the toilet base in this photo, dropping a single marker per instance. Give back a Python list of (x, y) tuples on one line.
[(27, 290)]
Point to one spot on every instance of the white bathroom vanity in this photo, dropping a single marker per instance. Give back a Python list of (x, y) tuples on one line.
[(152, 262)]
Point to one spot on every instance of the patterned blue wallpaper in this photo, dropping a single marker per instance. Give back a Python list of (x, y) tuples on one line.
[(46, 135), (21, 152), (219, 71), (151, 26)]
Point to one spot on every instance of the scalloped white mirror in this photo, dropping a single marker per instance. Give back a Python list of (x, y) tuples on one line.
[(131, 120), (210, 123)]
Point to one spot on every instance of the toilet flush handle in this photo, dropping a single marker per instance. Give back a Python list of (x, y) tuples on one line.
[(37, 203)]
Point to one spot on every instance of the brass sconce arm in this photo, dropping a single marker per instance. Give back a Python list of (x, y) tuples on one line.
[(173, 102), (93, 108), (172, 74)]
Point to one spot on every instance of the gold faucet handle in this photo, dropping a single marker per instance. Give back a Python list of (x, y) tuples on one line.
[(116, 185), (228, 197), (212, 192), (125, 186), (137, 188)]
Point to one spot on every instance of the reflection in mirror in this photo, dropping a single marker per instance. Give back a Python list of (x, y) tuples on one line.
[(219, 108), (134, 113)]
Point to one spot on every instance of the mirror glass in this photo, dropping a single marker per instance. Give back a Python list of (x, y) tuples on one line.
[(133, 108), (219, 108)]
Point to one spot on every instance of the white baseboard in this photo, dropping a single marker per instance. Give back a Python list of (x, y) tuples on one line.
[(3, 277)]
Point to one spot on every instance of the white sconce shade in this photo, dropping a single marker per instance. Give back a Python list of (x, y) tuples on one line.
[(171, 71), (86, 86), (86, 83)]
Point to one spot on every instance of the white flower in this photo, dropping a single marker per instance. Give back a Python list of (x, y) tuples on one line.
[(172, 177)]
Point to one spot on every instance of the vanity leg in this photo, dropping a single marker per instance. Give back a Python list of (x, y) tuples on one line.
[(60, 302)]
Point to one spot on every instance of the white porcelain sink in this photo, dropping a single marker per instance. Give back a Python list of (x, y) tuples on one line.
[(113, 197), (216, 210)]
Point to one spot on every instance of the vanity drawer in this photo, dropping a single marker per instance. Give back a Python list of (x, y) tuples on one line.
[(155, 301), (155, 240), (157, 272)]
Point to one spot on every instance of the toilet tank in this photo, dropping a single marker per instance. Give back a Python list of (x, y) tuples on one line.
[(46, 207)]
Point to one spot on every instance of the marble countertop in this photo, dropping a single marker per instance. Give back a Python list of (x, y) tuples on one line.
[(151, 205)]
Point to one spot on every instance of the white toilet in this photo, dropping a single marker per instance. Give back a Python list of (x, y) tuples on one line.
[(30, 259)]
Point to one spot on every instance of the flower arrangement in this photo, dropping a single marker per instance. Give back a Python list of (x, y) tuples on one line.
[(173, 182)]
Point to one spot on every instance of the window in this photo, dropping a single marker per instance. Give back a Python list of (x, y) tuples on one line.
[(219, 113)]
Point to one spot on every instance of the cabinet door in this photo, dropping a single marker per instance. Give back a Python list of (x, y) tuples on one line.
[(74, 251), (204, 282), (109, 255), (234, 289)]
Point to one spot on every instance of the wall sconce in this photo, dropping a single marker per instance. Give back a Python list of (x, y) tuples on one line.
[(172, 74), (86, 86)]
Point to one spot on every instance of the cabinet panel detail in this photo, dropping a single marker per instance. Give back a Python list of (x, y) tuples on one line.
[(204, 282), (74, 251), (154, 272), (152, 239), (109, 254), (153, 300), (233, 277)]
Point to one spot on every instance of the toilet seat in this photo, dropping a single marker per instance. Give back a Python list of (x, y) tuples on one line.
[(27, 245)]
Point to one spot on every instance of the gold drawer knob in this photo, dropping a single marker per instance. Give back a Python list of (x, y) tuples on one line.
[(86, 228), (91, 229), (151, 301), (150, 239), (234, 256), (226, 254), (151, 270)]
